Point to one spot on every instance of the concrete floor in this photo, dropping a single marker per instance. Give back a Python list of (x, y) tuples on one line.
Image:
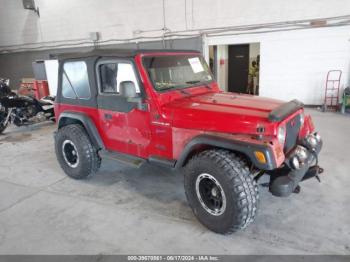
[(123, 210)]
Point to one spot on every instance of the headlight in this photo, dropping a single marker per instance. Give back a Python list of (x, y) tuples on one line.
[(302, 118), (311, 140), (300, 156), (295, 162), (318, 137), (281, 135), (301, 152)]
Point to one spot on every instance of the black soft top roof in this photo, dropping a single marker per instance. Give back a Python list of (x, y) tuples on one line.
[(116, 52)]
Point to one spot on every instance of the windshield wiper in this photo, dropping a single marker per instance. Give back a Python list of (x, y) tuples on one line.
[(184, 92), (193, 82), (197, 81), (208, 86), (167, 88)]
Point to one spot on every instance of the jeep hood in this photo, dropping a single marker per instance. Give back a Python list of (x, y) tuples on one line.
[(221, 112)]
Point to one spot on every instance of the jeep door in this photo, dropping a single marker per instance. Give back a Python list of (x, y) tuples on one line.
[(125, 128)]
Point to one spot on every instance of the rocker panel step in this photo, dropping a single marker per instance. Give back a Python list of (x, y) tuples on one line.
[(123, 158)]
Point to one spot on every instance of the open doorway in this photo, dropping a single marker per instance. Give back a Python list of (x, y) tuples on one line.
[(237, 67), (213, 59)]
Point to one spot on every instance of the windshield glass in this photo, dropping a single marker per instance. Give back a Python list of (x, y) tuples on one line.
[(177, 71)]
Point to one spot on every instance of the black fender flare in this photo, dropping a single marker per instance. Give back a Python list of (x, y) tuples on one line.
[(233, 145), (86, 121)]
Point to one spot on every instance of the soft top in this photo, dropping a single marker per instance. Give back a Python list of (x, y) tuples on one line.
[(116, 52)]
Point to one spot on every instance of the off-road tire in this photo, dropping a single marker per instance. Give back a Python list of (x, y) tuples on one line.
[(2, 128), (89, 160), (238, 184), (3, 115)]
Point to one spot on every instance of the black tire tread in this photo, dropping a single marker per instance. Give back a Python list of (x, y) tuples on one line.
[(242, 183), (3, 117), (2, 128), (93, 160)]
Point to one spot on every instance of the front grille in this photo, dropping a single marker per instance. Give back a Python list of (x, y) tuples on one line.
[(292, 130)]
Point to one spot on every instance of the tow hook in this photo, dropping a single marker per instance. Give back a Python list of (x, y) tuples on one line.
[(313, 171), (297, 190), (319, 171)]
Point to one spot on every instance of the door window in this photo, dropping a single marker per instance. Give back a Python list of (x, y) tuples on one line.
[(75, 81), (112, 74)]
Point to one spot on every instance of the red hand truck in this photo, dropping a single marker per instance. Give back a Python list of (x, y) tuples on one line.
[(331, 97)]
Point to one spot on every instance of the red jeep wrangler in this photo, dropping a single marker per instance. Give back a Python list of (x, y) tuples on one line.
[(164, 107)]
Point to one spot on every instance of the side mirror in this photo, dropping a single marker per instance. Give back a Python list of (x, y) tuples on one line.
[(127, 89)]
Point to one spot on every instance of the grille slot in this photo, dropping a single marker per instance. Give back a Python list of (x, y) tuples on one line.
[(292, 131)]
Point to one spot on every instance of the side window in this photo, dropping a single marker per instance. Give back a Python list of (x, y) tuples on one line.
[(75, 81), (112, 74)]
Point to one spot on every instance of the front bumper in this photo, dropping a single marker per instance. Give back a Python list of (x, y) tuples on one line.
[(284, 181)]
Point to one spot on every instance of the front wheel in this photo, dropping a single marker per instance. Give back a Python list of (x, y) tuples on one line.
[(221, 191)]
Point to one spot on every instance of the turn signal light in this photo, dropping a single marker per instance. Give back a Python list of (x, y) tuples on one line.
[(260, 157)]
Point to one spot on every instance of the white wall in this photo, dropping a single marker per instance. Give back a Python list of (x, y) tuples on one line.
[(51, 67), (294, 64), (63, 20)]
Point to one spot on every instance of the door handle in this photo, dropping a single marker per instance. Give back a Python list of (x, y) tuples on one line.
[(108, 116)]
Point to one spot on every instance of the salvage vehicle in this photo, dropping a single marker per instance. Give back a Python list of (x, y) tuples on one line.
[(22, 110), (164, 107)]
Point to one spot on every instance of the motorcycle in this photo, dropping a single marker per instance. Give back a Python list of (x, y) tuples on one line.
[(22, 110)]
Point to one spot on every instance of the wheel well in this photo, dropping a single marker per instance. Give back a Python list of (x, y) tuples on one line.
[(202, 147), (65, 121), (68, 118)]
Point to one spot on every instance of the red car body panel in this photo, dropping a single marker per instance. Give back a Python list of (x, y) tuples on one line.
[(174, 118)]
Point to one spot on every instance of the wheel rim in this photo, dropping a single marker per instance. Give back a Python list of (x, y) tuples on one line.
[(210, 194), (70, 153)]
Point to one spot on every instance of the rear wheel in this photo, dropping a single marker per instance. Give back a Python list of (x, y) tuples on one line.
[(2, 128), (221, 191), (75, 153), (3, 115)]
